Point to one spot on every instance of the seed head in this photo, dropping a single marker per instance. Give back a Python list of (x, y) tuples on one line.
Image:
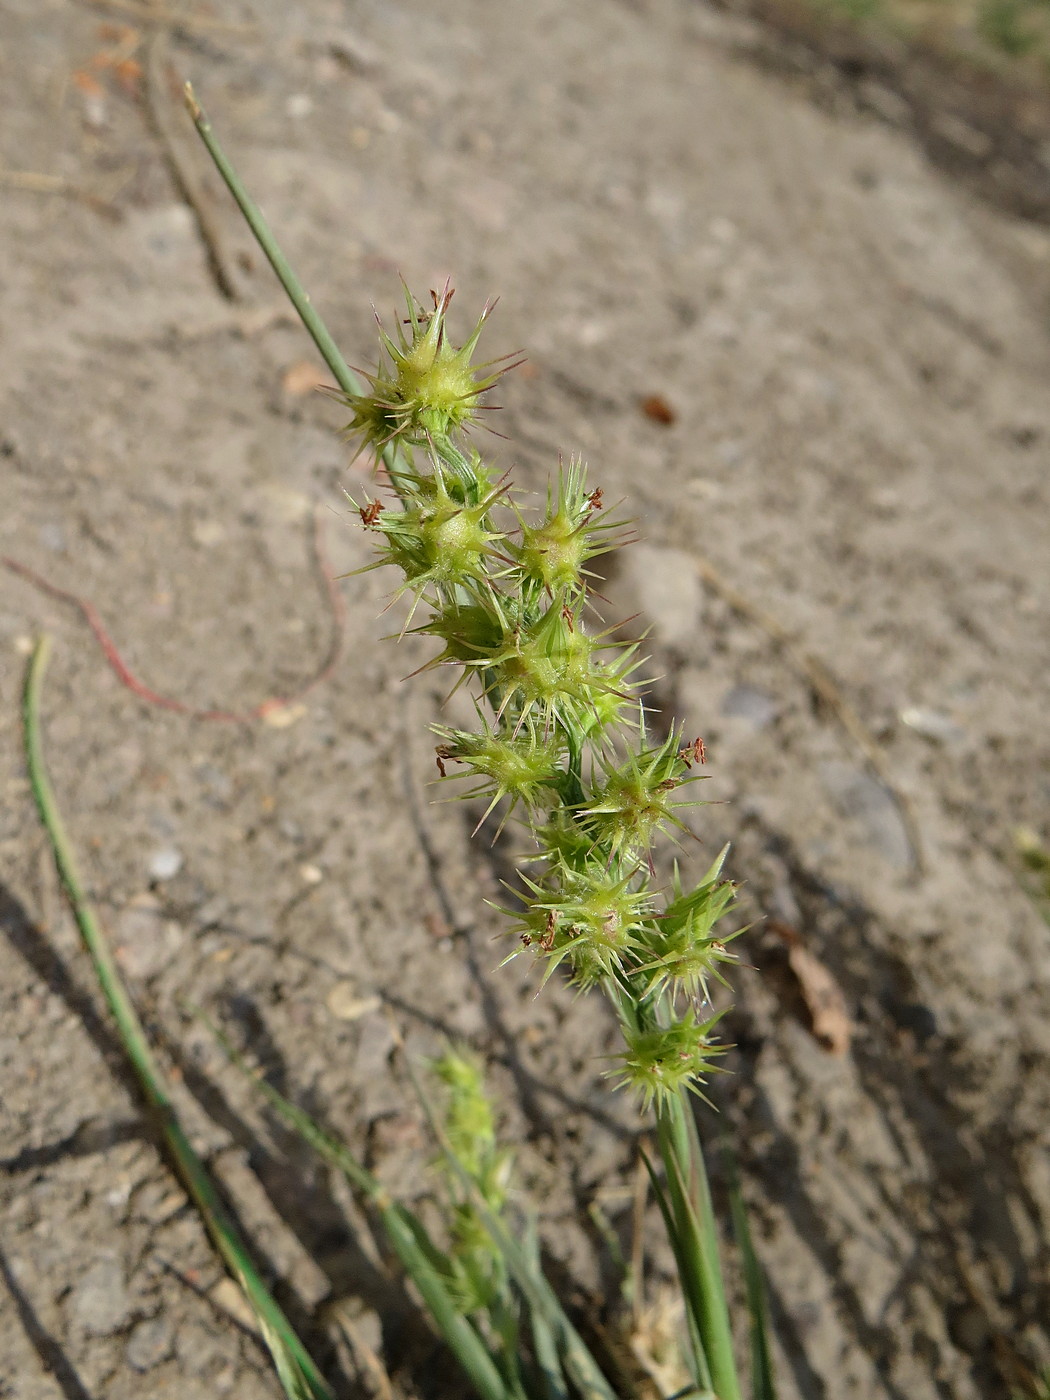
[(554, 552), (660, 1062), (636, 800), (525, 766), (426, 389), (437, 539), (683, 953), (589, 918)]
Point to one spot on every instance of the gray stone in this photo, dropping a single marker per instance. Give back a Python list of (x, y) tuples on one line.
[(861, 797), (100, 1303), (748, 703), (200, 1352), (165, 864), (667, 588), (146, 940), (53, 537), (149, 1344)]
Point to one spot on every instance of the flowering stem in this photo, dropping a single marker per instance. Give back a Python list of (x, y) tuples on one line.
[(561, 739), (695, 1238), (322, 338)]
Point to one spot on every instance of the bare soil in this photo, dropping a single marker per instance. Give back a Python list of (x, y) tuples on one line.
[(855, 353)]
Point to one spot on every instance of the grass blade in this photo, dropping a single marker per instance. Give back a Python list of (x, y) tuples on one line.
[(701, 1369), (298, 1374), (543, 1341), (763, 1384), (419, 1255), (695, 1241), (575, 1355)]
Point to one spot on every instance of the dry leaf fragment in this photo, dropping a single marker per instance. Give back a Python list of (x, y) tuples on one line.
[(279, 714), (822, 994), (656, 407), (345, 1003)]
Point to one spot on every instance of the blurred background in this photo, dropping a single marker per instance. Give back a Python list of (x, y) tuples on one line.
[(782, 275)]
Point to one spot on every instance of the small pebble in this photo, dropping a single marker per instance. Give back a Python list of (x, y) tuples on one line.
[(861, 797), (311, 874), (149, 1344), (146, 940), (53, 537), (208, 533), (747, 702), (100, 1303), (165, 863), (299, 105), (932, 724)]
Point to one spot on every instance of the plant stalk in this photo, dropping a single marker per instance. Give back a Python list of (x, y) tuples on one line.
[(696, 1240), (299, 297), (288, 1352)]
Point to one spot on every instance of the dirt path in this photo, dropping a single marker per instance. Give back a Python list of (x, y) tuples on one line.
[(856, 355)]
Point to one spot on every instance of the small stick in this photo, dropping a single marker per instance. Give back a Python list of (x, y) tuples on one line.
[(137, 687), (40, 183), (358, 1345), (174, 19), (181, 168), (828, 690)]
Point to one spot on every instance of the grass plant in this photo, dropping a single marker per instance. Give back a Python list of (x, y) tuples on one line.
[(562, 743), (1008, 37)]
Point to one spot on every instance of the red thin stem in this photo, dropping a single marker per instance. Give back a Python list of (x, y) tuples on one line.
[(127, 678)]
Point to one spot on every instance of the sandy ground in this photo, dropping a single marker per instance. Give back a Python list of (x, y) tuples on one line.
[(856, 356)]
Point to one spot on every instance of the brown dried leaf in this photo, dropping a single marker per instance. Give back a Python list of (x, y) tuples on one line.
[(656, 407), (825, 1002), (128, 74), (86, 83)]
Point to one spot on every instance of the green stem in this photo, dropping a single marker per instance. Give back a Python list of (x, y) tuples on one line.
[(281, 1339), (696, 1243), (688, 1214), (322, 338), (413, 1246)]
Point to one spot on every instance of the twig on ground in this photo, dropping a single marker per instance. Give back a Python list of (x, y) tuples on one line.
[(828, 691), (268, 709), (38, 182), (182, 167), (182, 20), (360, 1348)]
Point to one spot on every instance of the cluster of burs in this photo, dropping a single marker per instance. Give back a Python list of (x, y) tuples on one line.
[(561, 737)]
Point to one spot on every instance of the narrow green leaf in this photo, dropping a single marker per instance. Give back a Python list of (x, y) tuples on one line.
[(763, 1383), (421, 1258), (298, 1374), (696, 1242), (577, 1360), (543, 1340), (701, 1367)]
